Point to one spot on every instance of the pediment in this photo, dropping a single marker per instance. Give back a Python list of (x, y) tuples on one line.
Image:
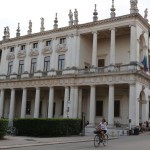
[(10, 56), (21, 54), (34, 52), (62, 48), (47, 50)]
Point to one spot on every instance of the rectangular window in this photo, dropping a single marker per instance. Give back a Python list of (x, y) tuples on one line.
[(62, 107), (48, 43), (35, 45), (101, 62), (61, 62), (99, 108), (46, 64), (63, 41), (21, 67), (117, 108), (10, 68), (12, 49), (23, 47), (149, 109), (33, 65), (28, 107)]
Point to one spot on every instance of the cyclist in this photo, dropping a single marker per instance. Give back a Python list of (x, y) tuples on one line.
[(102, 127)]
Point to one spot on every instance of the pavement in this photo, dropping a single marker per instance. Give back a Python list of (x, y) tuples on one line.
[(21, 141)]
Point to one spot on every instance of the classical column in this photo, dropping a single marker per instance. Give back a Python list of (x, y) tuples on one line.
[(53, 55), (23, 105), (92, 106), (94, 52), (71, 109), (80, 104), (75, 113), (37, 103), (40, 59), (112, 47), (1, 102), (132, 103), (74, 50), (16, 61), (66, 102), (111, 105), (78, 51), (12, 104), (51, 101), (133, 43)]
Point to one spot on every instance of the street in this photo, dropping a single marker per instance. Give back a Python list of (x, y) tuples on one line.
[(140, 142)]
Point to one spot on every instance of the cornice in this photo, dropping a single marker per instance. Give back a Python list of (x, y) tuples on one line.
[(79, 26)]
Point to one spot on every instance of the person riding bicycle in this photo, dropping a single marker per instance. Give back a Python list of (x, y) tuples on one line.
[(102, 127)]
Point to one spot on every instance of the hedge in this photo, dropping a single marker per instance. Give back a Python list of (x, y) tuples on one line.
[(3, 127), (47, 127)]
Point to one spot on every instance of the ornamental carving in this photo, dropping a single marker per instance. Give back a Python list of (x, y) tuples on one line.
[(21, 54), (62, 48), (10, 56), (34, 52), (47, 50)]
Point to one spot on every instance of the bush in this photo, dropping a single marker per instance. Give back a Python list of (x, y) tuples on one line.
[(3, 127), (47, 127)]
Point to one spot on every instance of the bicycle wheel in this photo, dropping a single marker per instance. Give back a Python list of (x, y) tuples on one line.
[(96, 141), (105, 140)]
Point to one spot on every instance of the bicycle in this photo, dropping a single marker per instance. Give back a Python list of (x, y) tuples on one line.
[(98, 139)]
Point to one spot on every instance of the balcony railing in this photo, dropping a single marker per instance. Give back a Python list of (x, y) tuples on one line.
[(86, 71)]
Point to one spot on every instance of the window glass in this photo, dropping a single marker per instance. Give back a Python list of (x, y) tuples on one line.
[(117, 108), (48, 43), (99, 108), (28, 107), (63, 41), (21, 67), (10, 68), (46, 64), (61, 62), (33, 65)]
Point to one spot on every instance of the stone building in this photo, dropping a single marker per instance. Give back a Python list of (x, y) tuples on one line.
[(99, 68)]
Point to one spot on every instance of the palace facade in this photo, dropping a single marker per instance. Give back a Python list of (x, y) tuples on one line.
[(99, 69)]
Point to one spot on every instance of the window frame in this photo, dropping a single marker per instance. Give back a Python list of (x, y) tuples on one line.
[(33, 65), (21, 67), (35, 45), (10, 68), (117, 108), (99, 108), (46, 64), (61, 62)]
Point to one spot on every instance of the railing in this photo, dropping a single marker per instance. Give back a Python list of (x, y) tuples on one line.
[(92, 70)]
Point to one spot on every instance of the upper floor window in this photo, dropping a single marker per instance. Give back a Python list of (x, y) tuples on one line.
[(33, 65), (101, 62), (46, 64), (61, 62), (63, 41), (12, 49), (21, 67), (48, 43), (23, 47), (35, 45), (10, 67)]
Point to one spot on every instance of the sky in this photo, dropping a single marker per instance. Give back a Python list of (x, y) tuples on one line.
[(13, 12)]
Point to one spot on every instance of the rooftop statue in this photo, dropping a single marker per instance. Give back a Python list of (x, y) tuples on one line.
[(146, 13), (76, 15), (133, 4), (30, 27), (42, 22), (70, 15)]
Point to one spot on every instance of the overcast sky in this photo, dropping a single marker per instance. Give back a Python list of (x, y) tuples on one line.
[(13, 12)]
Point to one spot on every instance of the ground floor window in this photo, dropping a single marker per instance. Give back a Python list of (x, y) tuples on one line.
[(28, 107), (99, 108), (117, 108)]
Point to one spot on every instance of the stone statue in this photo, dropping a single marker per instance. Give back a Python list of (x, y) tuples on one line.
[(42, 22), (7, 30), (70, 15), (146, 13), (30, 25), (76, 15), (133, 4)]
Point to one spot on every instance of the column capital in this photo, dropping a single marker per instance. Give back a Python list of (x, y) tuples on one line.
[(132, 25), (112, 29), (94, 32)]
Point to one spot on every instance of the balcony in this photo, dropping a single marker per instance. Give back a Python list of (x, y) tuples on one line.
[(118, 69)]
